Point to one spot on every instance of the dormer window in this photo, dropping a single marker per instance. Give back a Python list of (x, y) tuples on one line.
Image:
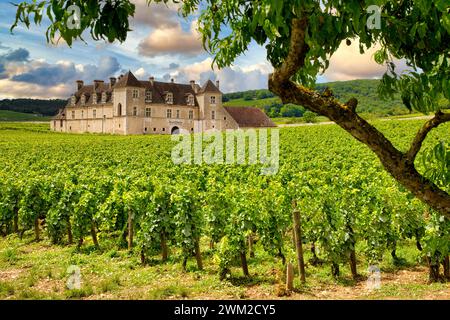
[(73, 100), (104, 97), (135, 93), (213, 99), (94, 98), (148, 96), (83, 100), (190, 100), (169, 98)]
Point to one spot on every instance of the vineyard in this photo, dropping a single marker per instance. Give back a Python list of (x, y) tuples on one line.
[(331, 202)]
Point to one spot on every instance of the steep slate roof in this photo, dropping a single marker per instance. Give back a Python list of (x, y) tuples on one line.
[(249, 117), (180, 92), (209, 87), (88, 92), (128, 80)]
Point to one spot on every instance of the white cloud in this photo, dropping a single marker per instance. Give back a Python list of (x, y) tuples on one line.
[(140, 72), (12, 89), (231, 78), (157, 15), (349, 64), (39, 79), (172, 41)]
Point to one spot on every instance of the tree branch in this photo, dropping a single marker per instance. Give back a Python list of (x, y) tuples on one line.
[(297, 51), (393, 160), (416, 145)]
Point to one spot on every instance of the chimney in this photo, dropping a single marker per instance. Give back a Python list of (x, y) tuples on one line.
[(97, 83), (217, 84), (112, 82), (192, 82), (80, 84), (152, 79)]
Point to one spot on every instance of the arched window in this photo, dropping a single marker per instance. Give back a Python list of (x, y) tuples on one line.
[(94, 99), (119, 110), (83, 99), (73, 100), (104, 97)]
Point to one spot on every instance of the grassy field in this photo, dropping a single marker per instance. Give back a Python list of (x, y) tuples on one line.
[(7, 116), (251, 103), (38, 270)]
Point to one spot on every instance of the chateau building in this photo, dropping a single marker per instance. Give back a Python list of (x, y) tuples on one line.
[(130, 106)]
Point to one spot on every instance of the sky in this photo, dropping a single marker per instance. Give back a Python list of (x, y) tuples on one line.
[(162, 44)]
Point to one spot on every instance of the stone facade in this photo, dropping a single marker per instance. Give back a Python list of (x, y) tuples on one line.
[(129, 106)]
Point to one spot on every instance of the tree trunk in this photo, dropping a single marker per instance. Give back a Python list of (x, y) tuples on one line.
[(250, 246), (69, 231), (353, 264), (335, 270), (282, 257), (446, 264), (394, 253), (130, 230), (185, 259), (395, 257), (94, 234), (298, 243), (16, 220), (393, 160), (80, 242), (418, 244), (289, 277), (164, 251), (315, 259), (244, 263), (142, 257), (211, 244), (198, 255), (433, 266), (36, 229)]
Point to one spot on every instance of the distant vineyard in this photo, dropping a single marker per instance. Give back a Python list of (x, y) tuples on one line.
[(364, 90), (75, 188)]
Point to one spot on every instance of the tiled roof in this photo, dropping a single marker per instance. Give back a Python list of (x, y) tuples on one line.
[(249, 117)]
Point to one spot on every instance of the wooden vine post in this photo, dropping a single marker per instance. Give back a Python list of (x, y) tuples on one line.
[(289, 277), (298, 241), (130, 230)]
